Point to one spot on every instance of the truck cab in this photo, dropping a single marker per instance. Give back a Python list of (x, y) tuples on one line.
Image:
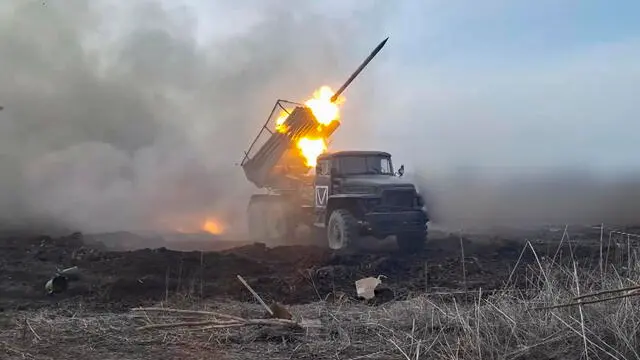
[(358, 193)]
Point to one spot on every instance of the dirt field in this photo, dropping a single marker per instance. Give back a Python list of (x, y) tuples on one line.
[(300, 277), (288, 274)]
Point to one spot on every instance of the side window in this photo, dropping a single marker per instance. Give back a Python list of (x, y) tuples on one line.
[(386, 166)]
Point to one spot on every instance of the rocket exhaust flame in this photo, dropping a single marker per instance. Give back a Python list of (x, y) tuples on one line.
[(324, 106), (311, 149), (300, 135), (325, 112)]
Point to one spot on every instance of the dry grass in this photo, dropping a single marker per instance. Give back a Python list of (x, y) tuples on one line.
[(502, 325)]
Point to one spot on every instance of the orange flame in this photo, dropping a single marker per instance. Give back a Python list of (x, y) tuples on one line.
[(325, 113), (194, 223), (212, 226), (323, 109), (280, 126), (311, 149)]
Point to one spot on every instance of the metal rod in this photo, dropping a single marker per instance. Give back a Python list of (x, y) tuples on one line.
[(275, 106), (359, 69), (290, 102), (283, 109)]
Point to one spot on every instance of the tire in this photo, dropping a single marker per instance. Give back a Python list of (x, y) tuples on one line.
[(411, 243), (342, 230)]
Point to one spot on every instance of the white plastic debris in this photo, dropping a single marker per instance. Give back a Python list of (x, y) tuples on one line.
[(366, 287)]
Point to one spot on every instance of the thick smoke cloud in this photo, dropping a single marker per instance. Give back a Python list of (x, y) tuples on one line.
[(120, 117), (126, 116), (471, 200)]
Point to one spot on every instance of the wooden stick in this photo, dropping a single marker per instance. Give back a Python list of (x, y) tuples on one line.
[(426, 277), (182, 324), (189, 312), (485, 291), (585, 302), (218, 324), (636, 287), (255, 294), (464, 269), (601, 261)]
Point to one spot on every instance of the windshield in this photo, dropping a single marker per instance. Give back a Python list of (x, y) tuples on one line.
[(359, 165)]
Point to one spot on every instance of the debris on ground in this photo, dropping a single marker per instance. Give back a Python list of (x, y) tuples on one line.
[(60, 281), (210, 320), (278, 311), (365, 288), (579, 300), (291, 275), (275, 310)]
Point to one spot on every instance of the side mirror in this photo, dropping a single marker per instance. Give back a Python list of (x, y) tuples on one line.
[(401, 170)]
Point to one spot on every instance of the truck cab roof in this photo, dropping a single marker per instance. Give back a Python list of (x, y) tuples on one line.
[(329, 155)]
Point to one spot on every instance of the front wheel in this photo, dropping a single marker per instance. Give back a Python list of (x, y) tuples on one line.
[(411, 243), (342, 230)]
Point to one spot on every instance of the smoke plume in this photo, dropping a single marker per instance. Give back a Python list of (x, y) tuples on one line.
[(123, 116)]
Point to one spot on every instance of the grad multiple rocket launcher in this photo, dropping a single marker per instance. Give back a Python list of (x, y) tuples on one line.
[(351, 194)]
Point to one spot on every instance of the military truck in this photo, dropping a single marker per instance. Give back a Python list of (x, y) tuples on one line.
[(345, 197), (357, 193)]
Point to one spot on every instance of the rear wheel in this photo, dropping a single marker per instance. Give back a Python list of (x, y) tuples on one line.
[(342, 230), (412, 242)]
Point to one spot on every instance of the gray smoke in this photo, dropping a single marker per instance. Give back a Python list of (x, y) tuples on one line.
[(472, 200), (120, 117)]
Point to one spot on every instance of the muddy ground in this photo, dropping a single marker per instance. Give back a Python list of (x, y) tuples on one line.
[(119, 280)]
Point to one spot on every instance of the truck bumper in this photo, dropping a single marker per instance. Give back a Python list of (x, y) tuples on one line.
[(386, 224)]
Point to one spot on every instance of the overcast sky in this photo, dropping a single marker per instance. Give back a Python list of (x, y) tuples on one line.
[(502, 84), (119, 113), (537, 83)]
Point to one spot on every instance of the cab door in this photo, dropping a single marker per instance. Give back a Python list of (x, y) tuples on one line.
[(322, 189)]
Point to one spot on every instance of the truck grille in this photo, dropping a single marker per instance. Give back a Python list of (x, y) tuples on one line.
[(398, 198)]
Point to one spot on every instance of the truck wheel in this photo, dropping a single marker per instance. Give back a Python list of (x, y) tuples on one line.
[(280, 224), (411, 243), (342, 230)]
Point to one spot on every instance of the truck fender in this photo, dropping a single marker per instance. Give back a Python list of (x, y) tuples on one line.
[(350, 202)]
